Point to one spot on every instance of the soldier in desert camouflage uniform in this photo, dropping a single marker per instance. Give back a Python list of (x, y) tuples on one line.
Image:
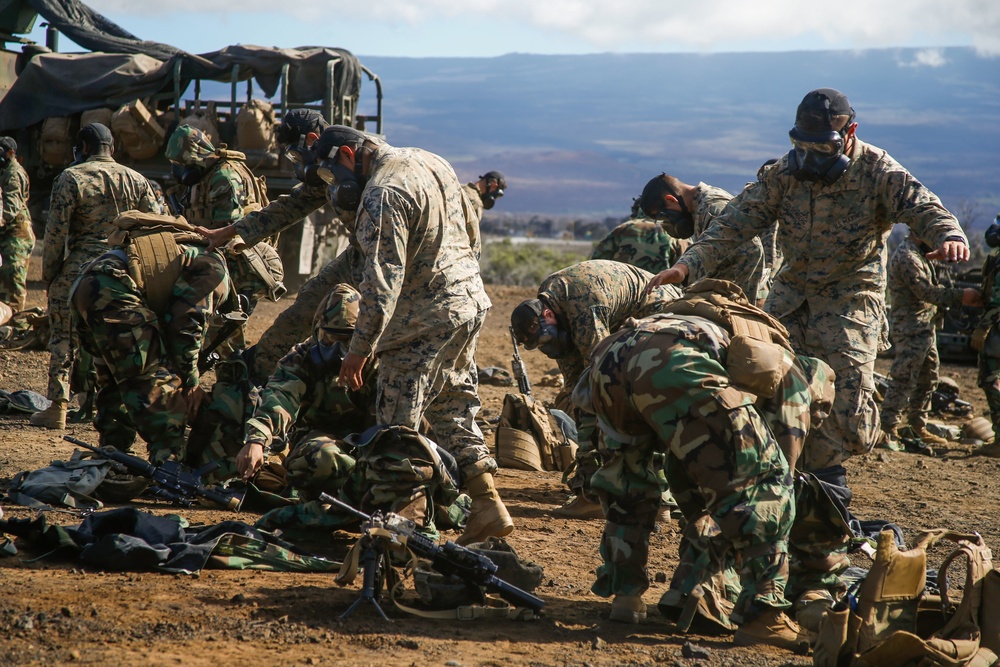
[(147, 354), (576, 308), (687, 211), (837, 199), (86, 199), (916, 297), (482, 195), (659, 386), (17, 239), (640, 242)]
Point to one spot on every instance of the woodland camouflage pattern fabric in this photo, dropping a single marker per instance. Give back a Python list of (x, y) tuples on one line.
[(916, 297), (641, 243), (144, 362), (422, 299), (830, 290), (747, 267), (659, 388), (86, 199), (17, 238), (989, 365)]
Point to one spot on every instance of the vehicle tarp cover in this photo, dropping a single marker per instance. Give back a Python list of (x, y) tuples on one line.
[(125, 68)]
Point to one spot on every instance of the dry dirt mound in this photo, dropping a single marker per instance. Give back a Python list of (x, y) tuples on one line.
[(56, 612)]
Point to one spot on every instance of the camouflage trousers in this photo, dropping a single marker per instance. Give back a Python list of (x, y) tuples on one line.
[(63, 341), (849, 347), (434, 377), (989, 380), (136, 392), (720, 462), (294, 324), (17, 240), (913, 378)]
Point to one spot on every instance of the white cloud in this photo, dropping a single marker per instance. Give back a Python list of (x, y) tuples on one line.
[(644, 25)]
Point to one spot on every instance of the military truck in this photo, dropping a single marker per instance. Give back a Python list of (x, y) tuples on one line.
[(143, 90)]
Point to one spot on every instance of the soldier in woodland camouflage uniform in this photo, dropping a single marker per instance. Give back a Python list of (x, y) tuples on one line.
[(576, 308), (687, 211), (659, 386), (640, 242), (86, 199), (837, 199), (17, 239), (986, 338), (147, 361), (916, 297)]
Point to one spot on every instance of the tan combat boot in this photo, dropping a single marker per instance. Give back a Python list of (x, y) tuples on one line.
[(929, 438), (53, 417), (579, 508), (489, 517), (772, 627), (628, 609)]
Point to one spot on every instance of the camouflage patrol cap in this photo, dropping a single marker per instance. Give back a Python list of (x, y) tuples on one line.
[(94, 135), (815, 114), (820, 377), (524, 321), (299, 122), (189, 145), (338, 312), (8, 144), (336, 136)]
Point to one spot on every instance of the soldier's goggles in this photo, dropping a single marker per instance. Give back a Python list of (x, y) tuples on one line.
[(819, 147)]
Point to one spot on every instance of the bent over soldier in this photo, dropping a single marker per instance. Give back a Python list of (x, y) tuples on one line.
[(86, 199)]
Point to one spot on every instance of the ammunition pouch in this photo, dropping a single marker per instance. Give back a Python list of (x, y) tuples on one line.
[(529, 438)]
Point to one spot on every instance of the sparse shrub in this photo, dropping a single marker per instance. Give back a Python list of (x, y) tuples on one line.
[(524, 264)]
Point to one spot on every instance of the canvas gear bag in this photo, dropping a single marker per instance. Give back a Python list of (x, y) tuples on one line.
[(894, 621), (255, 125), (755, 361), (55, 142), (136, 131), (205, 120), (529, 438)]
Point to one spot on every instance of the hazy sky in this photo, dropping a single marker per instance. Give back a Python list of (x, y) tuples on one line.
[(422, 28)]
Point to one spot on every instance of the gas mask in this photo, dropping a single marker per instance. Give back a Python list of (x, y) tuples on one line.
[(345, 186), (553, 341), (679, 224), (304, 162), (327, 357), (490, 196), (79, 155), (818, 162), (187, 174), (4, 161)]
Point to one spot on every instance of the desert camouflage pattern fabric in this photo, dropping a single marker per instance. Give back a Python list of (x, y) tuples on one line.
[(292, 325), (747, 267), (145, 362), (86, 199), (916, 295), (593, 299), (830, 290), (659, 387), (281, 213), (641, 243), (422, 300), (475, 208), (17, 238)]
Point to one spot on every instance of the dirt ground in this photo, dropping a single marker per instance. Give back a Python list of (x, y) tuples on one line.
[(55, 612)]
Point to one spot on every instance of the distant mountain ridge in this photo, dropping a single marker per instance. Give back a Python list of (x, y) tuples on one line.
[(580, 135)]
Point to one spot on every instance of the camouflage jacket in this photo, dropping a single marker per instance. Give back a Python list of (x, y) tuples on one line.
[(14, 185), (832, 237), (593, 299), (86, 199), (747, 266), (916, 293), (202, 287), (642, 243), (281, 213), (476, 216), (299, 397), (420, 270), (225, 194)]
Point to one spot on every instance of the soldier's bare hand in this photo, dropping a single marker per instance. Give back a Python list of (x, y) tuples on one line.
[(217, 237), (972, 297), (675, 274), (194, 396), (250, 459), (350, 371), (951, 251)]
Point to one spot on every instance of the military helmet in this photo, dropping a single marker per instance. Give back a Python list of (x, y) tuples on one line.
[(257, 271), (338, 312), (189, 146)]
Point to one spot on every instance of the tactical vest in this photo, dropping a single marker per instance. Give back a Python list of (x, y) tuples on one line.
[(200, 209), (153, 258), (755, 360)]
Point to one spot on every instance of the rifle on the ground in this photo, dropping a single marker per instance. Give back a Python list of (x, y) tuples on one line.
[(942, 402), (170, 480), (448, 559), (517, 365)]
